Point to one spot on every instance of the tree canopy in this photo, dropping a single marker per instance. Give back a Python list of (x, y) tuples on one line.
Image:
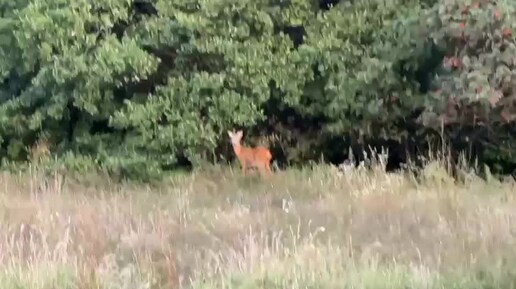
[(138, 85)]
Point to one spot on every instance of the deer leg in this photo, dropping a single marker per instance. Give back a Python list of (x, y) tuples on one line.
[(244, 168), (261, 170), (268, 167), (264, 170)]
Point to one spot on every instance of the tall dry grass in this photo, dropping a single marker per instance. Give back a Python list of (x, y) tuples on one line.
[(311, 228)]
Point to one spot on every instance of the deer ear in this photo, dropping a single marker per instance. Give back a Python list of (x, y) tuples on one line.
[(240, 134), (230, 133)]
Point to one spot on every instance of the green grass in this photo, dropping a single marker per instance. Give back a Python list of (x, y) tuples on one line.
[(310, 228)]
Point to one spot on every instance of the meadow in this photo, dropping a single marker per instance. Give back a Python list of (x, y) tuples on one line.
[(301, 228)]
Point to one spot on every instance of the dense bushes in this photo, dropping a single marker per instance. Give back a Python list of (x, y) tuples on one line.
[(147, 85)]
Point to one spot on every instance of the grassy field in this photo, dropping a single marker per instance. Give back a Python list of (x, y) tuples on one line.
[(313, 228)]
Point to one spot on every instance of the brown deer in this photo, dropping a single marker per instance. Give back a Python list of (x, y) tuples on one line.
[(257, 157)]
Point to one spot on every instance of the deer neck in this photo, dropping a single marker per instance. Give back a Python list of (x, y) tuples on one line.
[(237, 148)]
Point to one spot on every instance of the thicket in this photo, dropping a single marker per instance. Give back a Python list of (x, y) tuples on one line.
[(138, 87)]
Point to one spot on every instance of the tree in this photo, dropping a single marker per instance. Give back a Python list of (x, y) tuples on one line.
[(368, 65), (159, 80), (141, 86), (475, 90)]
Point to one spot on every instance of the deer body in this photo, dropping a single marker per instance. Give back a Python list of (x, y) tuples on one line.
[(257, 157)]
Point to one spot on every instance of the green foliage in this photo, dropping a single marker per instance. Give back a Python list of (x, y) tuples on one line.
[(474, 96), (357, 61), (139, 86), (478, 80)]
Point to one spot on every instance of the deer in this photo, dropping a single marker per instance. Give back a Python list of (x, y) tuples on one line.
[(250, 157)]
